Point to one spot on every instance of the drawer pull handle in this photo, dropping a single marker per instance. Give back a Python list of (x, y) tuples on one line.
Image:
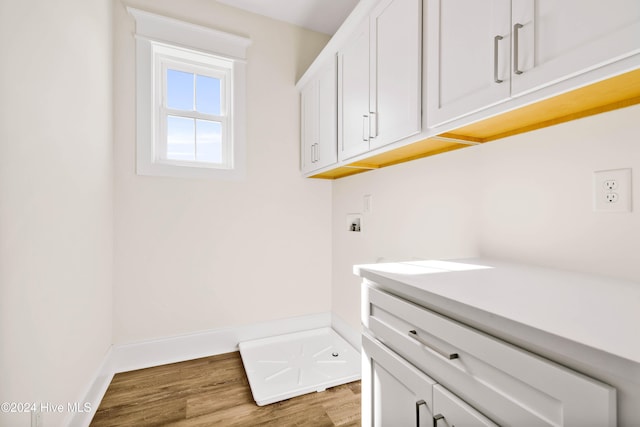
[(413, 334), (418, 403), (437, 418), (496, 39), (516, 45)]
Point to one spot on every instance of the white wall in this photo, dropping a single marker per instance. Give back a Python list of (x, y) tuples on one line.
[(537, 196), (195, 255), (56, 211), (526, 198), (421, 209)]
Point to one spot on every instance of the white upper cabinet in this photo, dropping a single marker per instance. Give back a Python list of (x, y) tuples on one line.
[(469, 44), (396, 54), (353, 94), (481, 52), (379, 79), (559, 39), (319, 119)]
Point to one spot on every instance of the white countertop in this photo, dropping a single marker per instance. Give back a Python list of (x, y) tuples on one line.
[(594, 311)]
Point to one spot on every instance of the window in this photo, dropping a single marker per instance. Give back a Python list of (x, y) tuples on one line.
[(190, 99), (192, 96)]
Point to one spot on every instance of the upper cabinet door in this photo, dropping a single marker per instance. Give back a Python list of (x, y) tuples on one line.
[(560, 39), (353, 94), (319, 119), (468, 54), (327, 150), (395, 57), (309, 125)]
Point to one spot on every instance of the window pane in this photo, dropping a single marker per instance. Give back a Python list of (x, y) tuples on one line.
[(179, 90), (181, 138), (207, 95), (209, 141)]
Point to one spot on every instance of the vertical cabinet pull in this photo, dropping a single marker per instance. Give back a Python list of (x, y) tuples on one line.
[(450, 356), (516, 43), (418, 403), (437, 418), (496, 39), (365, 127), (373, 124)]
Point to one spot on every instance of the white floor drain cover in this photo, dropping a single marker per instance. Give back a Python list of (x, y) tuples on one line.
[(290, 365)]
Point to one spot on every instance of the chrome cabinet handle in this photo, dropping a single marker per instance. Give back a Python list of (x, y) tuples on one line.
[(418, 403), (316, 155), (437, 418), (373, 122), (516, 29), (496, 39), (365, 127), (413, 334)]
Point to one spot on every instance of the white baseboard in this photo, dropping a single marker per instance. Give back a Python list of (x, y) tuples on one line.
[(140, 355), (93, 394), (353, 336)]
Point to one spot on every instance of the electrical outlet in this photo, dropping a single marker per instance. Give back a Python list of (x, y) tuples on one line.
[(611, 197), (610, 184), (612, 190)]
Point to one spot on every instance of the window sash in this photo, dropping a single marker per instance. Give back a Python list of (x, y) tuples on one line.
[(188, 62)]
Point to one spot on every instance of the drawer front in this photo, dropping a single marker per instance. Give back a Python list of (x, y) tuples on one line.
[(507, 384)]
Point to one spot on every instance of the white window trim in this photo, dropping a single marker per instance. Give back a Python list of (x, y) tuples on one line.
[(152, 29)]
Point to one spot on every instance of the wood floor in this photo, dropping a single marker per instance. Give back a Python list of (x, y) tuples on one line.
[(214, 391)]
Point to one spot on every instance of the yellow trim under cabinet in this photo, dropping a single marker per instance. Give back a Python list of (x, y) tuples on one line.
[(617, 92)]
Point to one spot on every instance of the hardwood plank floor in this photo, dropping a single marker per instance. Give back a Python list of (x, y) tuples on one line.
[(214, 391)]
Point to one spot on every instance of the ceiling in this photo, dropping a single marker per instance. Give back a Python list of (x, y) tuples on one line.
[(324, 16)]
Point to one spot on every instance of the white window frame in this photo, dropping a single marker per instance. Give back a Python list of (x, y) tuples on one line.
[(169, 57), (162, 41)]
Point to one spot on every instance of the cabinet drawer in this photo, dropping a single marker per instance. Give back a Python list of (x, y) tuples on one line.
[(507, 384)]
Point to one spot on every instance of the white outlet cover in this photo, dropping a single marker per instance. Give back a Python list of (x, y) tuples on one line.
[(622, 203)]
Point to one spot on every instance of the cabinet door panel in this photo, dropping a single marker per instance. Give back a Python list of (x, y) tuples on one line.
[(319, 116), (399, 393), (560, 39), (450, 411), (396, 52), (353, 81), (464, 57), (309, 131), (327, 116)]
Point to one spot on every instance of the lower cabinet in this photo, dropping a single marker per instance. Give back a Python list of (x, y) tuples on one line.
[(422, 368)]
